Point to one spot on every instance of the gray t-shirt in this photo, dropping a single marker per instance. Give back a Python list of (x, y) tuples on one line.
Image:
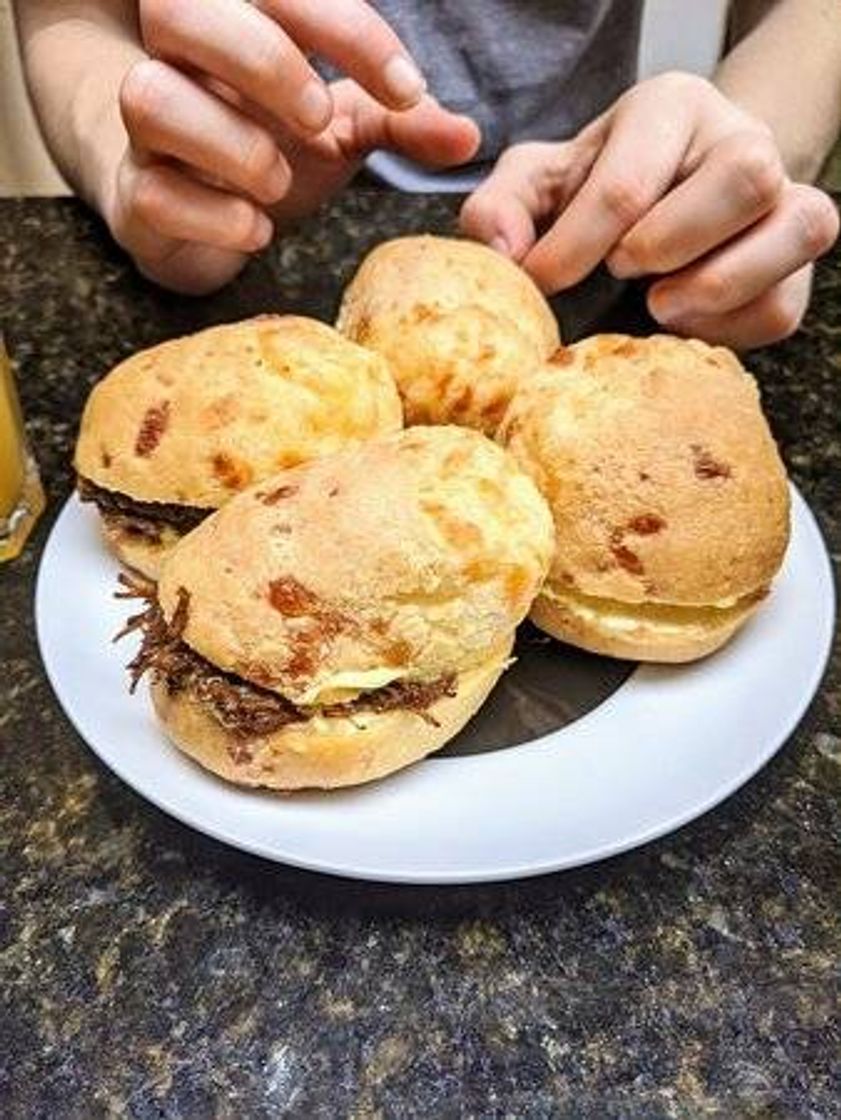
[(522, 69)]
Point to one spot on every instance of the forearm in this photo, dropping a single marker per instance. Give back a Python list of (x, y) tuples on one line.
[(76, 54), (787, 72)]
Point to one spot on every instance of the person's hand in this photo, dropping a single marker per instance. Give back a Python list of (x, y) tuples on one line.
[(228, 124), (675, 182)]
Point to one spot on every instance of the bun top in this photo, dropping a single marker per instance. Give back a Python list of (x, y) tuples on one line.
[(406, 558), (197, 419), (663, 477), (460, 324)]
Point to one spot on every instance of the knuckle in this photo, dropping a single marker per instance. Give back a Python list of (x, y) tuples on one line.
[(647, 248), (271, 61), (758, 171), (625, 198), (477, 209), (538, 167), (682, 79), (120, 229), (156, 16), (526, 151), (146, 195), (783, 316), (140, 99), (259, 157), (351, 23), (816, 220), (760, 128), (241, 221), (363, 22), (680, 84), (712, 287)]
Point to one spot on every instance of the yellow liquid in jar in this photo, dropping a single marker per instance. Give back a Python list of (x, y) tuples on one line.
[(21, 493), (11, 442)]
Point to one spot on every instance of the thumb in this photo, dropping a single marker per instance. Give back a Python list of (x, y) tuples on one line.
[(427, 133), (431, 134)]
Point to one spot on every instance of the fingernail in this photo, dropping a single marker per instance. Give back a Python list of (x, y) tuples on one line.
[(622, 265), (403, 80), (667, 306), (263, 231), (501, 245), (314, 106)]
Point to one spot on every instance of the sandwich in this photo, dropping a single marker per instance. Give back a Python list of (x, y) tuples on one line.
[(669, 498), (175, 431), (460, 325), (344, 618)]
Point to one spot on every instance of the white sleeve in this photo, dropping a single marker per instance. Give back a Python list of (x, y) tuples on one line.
[(414, 179), (682, 35)]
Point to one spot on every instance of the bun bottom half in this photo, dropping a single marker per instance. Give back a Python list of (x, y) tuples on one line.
[(640, 631), (324, 753), (136, 551)]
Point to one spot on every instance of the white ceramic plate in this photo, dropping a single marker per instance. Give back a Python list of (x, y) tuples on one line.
[(665, 747)]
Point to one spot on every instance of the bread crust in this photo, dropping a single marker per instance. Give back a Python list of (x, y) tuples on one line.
[(669, 497), (663, 477), (322, 753), (197, 419), (460, 325), (407, 558)]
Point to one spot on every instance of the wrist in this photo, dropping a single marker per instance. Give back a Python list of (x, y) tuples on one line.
[(802, 156)]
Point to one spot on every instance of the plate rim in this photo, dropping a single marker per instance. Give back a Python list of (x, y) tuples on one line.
[(464, 875)]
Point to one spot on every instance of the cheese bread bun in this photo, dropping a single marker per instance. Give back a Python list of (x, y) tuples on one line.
[(173, 432), (347, 617), (669, 497), (460, 324)]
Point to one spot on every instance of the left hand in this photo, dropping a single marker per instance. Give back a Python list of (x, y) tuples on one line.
[(190, 220), (673, 181)]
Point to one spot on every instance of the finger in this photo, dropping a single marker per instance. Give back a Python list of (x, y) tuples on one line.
[(431, 134), (739, 182), (158, 202), (239, 45), (640, 159), (428, 133), (167, 114), (801, 228), (497, 214), (774, 315), (192, 269), (528, 182), (357, 40)]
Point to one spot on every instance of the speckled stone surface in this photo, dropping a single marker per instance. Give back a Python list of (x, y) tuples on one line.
[(148, 972)]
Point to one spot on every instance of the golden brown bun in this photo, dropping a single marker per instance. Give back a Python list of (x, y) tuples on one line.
[(136, 551), (665, 485), (323, 753), (409, 557), (197, 419), (460, 324)]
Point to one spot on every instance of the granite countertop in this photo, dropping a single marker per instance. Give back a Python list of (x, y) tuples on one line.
[(150, 972)]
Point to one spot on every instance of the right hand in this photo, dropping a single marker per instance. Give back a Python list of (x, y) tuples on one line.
[(228, 123)]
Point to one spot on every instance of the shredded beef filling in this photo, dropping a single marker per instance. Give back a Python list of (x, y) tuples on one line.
[(245, 709), (144, 519)]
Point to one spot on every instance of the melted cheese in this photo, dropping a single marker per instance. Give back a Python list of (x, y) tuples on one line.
[(348, 684), (612, 614)]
